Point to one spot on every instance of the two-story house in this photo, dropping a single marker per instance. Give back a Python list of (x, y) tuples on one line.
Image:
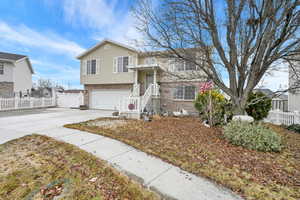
[(15, 74), (118, 77)]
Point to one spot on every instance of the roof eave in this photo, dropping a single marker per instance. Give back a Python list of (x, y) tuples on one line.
[(101, 43), (7, 60)]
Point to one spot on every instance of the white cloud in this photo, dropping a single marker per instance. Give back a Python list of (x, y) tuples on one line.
[(91, 13), (59, 73), (104, 18), (124, 33), (276, 80), (47, 41)]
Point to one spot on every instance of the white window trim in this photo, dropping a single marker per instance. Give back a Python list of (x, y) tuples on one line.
[(87, 71), (183, 99), (115, 64)]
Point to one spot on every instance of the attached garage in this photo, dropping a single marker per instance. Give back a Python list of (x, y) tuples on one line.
[(107, 99)]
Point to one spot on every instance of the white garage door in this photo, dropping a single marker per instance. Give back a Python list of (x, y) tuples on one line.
[(107, 99)]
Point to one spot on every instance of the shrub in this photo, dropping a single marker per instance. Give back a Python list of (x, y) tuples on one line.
[(218, 102), (252, 136), (294, 127), (258, 106)]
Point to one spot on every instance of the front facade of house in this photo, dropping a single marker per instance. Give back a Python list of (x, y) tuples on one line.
[(117, 77), (15, 74)]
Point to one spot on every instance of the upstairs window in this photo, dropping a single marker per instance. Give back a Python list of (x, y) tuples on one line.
[(185, 92), (1, 68), (91, 67), (121, 64), (177, 64), (150, 60)]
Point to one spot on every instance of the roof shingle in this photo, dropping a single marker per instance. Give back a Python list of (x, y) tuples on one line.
[(10, 56)]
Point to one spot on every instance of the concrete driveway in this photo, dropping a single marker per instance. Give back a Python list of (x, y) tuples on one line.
[(16, 124)]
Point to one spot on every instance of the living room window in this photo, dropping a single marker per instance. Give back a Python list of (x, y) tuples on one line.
[(121, 64), (91, 67), (1, 68), (185, 92)]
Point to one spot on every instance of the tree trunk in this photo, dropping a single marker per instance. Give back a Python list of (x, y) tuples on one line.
[(238, 108)]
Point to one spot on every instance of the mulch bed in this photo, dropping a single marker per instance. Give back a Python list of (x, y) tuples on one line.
[(185, 142)]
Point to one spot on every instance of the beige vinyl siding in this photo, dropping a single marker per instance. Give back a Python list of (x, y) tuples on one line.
[(106, 55), (294, 102)]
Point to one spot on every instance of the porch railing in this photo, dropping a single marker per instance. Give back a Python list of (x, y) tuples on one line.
[(26, 103), (136, 103), (146, 97), (135, 90)]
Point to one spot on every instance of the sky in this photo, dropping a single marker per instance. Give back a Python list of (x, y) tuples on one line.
[(53, 32)]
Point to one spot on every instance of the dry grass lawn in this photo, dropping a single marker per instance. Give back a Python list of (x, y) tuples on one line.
[(40, 168), (203, 151)]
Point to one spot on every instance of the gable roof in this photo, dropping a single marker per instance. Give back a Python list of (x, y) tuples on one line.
[(265, 91), (102, 43), (11, 56), (270, 93), (15, 58)]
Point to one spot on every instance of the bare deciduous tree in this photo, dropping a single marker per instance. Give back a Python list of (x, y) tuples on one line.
[(242, 39), (45, 83)]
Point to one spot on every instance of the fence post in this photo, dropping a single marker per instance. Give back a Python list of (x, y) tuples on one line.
[(16, 102), (30, 103), (297, 117), (277, 117), (54, 97)]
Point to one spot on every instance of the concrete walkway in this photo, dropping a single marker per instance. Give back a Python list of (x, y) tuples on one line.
[(166, 179)]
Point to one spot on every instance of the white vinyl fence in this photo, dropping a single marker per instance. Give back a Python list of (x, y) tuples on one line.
[(287, 118), (26, 103), (69, 100)]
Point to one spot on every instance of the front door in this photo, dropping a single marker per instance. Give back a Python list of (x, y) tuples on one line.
[(149, 80)]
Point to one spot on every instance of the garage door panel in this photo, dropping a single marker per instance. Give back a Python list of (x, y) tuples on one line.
[(107, 99)]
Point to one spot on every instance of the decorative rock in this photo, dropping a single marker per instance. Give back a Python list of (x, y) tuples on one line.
[(184, 112), (205, 123), (177, 114), (181, 113), (115, 113), (243, 118)]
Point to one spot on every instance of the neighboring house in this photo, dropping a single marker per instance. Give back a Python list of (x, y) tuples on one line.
[(294, 95), (15, 74), (279, 102), (111, 71)]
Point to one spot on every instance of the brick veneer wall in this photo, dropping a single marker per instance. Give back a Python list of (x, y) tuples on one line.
[(167, 98), (6, 89)]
